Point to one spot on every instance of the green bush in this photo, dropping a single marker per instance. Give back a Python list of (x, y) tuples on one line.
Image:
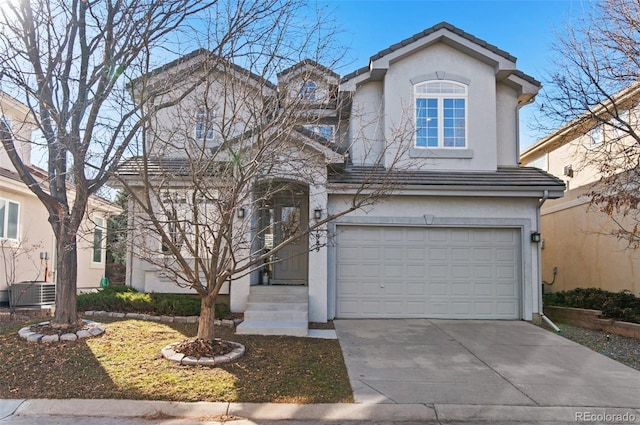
[(622, 306), (123, 299)]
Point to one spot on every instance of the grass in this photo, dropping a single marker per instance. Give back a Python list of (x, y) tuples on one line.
[(124, 363)]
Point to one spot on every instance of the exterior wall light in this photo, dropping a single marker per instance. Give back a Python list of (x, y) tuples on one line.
[(317, 213), (240, 213), (535, 237)]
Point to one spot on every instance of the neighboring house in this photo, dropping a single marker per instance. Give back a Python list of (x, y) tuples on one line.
[(25, 232), (457, 238), (578, 242)]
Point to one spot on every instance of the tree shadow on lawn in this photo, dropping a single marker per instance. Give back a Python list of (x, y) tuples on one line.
[(125, 362)]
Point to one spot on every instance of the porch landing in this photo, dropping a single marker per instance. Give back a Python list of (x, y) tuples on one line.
[(276, 310)]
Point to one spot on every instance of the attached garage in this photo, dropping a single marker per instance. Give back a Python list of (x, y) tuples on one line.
[(418, 272)]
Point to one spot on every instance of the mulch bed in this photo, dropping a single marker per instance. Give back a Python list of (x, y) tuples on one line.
[(199, 348), (48, 329)]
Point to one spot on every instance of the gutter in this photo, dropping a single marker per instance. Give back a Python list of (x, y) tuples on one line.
[(548, 321)]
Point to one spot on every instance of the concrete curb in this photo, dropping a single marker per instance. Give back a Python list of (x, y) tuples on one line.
[(307, 412), (8, 407), (256, 411)]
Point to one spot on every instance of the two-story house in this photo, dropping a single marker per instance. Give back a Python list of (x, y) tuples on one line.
[(27, 242), (580, 249), (436, 115)]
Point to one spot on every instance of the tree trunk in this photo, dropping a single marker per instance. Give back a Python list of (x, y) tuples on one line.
[(207, 317), (66, 279)]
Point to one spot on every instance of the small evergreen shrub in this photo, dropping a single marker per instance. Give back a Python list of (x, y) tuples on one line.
[(123, 299), (622, 306)]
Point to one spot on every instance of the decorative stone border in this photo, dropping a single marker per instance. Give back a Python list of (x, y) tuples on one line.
[(91, 329), (168, 353), (166, 319)]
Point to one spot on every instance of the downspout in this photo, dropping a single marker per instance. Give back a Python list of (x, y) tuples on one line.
[(544, 318)]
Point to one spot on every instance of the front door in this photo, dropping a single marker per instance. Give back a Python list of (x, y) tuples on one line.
[(286, 218)]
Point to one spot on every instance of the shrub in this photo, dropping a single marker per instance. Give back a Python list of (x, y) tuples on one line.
[(614, 305), (123, 299)]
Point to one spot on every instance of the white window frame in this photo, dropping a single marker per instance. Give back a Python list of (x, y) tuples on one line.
[(4, 229), (204, 123), (317, 129), (596, 135), (437, 93), (99, 228), (308, 90)]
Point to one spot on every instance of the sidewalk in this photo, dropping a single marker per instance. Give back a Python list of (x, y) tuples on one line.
[(36, 411)]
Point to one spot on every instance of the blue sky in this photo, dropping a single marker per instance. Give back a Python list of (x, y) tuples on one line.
[(524, 28)]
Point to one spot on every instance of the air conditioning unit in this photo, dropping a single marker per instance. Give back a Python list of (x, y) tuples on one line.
[(24, 294)]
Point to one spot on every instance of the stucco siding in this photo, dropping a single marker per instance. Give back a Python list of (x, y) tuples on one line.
[(507, 126), (577, 241), (481, 119)]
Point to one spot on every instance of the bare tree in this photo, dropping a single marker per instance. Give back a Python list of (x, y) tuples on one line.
[(70, 61), (595, 93), (203, 187)]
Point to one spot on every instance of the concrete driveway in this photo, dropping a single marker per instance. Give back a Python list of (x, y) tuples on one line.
[(476, 362)]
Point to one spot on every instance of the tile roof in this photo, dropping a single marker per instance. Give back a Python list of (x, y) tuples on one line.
[(311, 63), (203, 52), (172, 166), (425, 33), (504, 178)]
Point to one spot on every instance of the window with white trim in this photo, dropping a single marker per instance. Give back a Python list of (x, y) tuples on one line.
[(308, 90), (324, 131), (204, 123), (9, 217), (98, 240), (440, 114), (596, 135)]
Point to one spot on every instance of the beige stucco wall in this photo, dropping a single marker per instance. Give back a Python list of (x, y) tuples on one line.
[(36, 236), (481, 120), (577, 238), (384, 112), (366, 124), (21, 126), (577, 241)]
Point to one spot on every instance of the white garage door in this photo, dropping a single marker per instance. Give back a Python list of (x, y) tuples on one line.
[(403, 272)]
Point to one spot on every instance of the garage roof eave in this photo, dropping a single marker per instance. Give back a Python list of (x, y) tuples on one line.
[(449, 190)]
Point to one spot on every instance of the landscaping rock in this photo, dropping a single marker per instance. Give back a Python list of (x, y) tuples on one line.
[(34, 337), (68, 337), (50, 338), (83, 334)]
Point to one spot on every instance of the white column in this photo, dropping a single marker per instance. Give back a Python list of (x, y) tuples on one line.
[(318, 259)]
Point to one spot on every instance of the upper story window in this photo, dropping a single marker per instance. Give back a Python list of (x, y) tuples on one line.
[(441, 114), (596, 135), (324, 131), (204, 123), (9, 213), (308, 90)]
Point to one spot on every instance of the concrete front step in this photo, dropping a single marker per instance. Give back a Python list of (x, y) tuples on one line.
[(278, 298), (276, 315), (279, 289), (276, 310), (277, 306), (289, 328)]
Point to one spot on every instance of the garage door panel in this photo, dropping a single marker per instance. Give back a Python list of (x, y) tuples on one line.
[(416, 288), (427, 272)]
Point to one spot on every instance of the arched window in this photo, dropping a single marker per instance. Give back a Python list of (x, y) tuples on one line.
[(441, 114), (308, 90)]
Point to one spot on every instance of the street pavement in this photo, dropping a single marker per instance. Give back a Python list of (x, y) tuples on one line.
[(410, 372)]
